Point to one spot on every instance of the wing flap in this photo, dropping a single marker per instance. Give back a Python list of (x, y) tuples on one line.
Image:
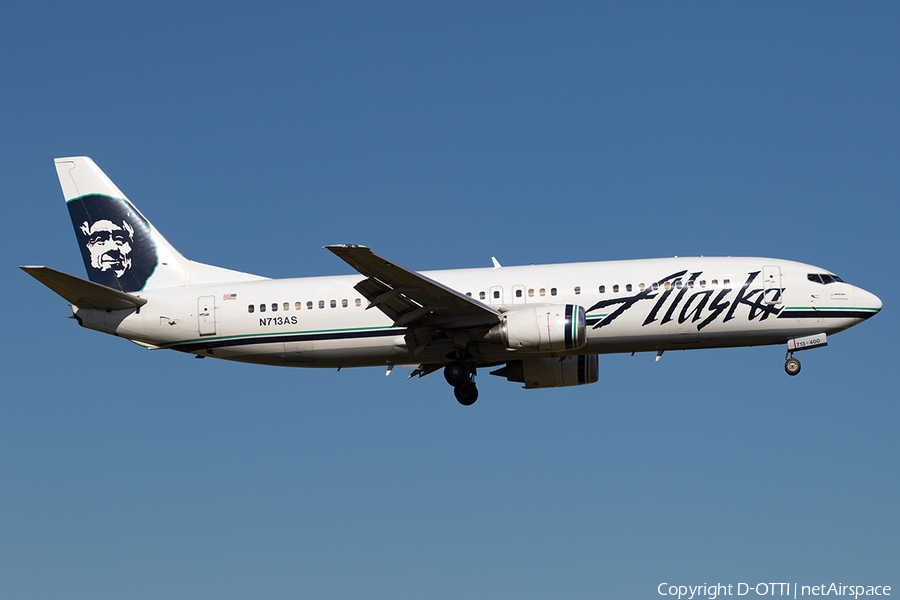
[(385, 298), (83, 293)]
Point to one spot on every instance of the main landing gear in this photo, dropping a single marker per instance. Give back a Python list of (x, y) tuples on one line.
[(791, 364), (462, 379)]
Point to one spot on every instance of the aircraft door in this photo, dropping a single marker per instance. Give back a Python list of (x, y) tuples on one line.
[(206, 315), (772, 282), (496, 295)]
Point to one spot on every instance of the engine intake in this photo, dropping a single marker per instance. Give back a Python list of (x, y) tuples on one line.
[(543, 328), (552, 372)]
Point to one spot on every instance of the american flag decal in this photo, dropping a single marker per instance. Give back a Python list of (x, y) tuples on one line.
[(229, 297)]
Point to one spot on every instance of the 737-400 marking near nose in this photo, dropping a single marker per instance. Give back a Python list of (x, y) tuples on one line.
[(542, 325)]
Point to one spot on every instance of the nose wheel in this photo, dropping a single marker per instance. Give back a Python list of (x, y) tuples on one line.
[(791, 365), (462, 379)]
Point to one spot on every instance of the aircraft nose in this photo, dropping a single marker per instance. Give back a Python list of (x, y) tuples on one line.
[(867, 302)]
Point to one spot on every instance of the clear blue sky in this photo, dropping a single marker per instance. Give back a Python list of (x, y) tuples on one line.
[(252, 134)]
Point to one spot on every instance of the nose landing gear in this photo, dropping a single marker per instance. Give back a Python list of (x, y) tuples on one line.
[(458, 375), (791, 364)]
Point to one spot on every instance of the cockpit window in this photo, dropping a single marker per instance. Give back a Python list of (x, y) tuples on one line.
[(824, 278)]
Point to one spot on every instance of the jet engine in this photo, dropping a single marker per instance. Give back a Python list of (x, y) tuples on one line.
[(542, 328), (551, 372)]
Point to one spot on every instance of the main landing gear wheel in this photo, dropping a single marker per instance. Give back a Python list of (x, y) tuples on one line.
[(457, 373), (461, 378), (466, 393), (792, 366)]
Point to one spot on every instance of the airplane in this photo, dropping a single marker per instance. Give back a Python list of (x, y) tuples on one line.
[(540, 325)]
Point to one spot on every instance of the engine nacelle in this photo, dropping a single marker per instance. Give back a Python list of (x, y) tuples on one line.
[(552, 372), (544, 328)]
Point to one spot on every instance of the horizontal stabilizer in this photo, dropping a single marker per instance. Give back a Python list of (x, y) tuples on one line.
[(83, 293)]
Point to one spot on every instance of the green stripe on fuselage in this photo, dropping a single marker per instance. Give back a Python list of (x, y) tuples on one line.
[(831, 308), (273, 333)]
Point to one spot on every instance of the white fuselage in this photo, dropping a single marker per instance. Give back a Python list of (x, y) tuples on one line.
[(323, 321)]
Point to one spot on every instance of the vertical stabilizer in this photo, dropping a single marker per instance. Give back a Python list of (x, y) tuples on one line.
[(121, 249)]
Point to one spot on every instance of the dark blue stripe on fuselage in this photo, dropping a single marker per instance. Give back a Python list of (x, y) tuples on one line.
[(270, 339), (826, 314)]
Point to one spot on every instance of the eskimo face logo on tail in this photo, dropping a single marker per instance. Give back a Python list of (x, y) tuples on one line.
[(110, 245), (116, 245)]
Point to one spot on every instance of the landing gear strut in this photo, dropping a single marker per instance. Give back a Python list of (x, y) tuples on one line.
[(458, 375), (791, 365)]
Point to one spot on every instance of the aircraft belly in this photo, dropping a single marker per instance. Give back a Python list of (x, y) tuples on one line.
[(261, 354), (300, 352), (361, 352)]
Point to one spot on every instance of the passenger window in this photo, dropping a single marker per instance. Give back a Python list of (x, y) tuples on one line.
[(309, 305), (690, 284), (531, 293), (358, 302), (703, 283), (250, 308), (655, 286), (552, 291), (481, 295), (518, 293), (344, 303), (577, 290), (678, 284), (715, 282), (602, 289), (321, 304), (286, 306), (298, 305), (496, 294), (641, 286), (616, 288), (668, 286), (542, 292), (628, 288), (274, 307), (469, 294), (262, 308), (726, 281), (333, 304)]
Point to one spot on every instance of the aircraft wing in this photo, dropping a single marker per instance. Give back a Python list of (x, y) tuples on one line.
[(409, 298), (83, 293)]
